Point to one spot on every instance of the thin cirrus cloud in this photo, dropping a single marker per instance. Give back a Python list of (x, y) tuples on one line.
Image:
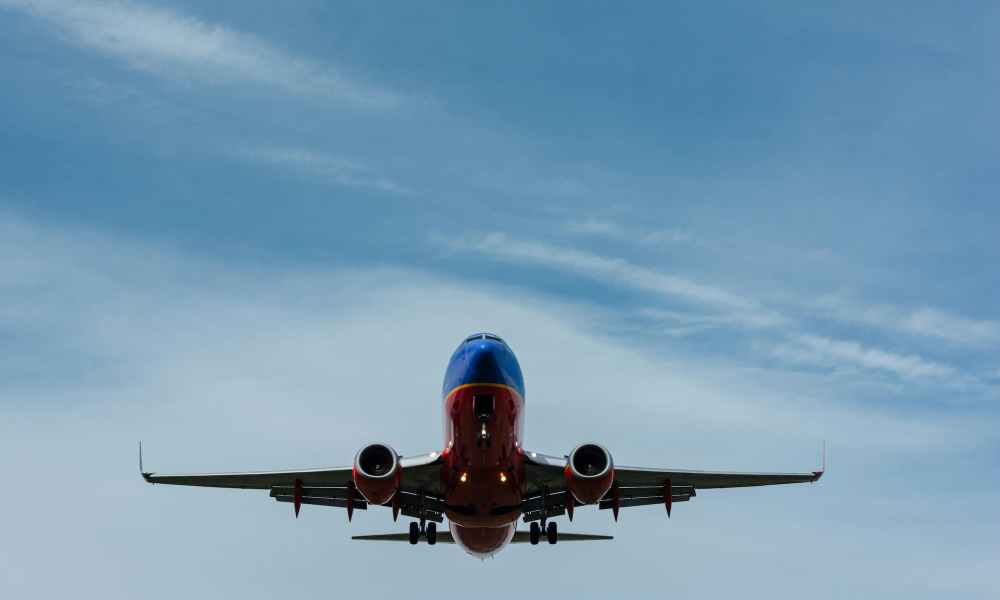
[(614, 230), (717, 308), (182, 47), (333, 169), (622, 272), (832, 353), (923, 322)]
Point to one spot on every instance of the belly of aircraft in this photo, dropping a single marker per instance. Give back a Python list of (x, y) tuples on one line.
[(482, 541)]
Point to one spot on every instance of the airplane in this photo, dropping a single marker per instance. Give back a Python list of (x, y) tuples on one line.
[(482, 480)]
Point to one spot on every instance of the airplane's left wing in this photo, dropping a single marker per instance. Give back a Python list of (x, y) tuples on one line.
[(632, 486), (419, 492)]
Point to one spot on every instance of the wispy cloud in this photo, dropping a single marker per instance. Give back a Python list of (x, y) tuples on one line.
[(833, 353), (681, 324), (621, 272), (704, 307), (183, 47), (337, 170), (593, 226), (617, 231), (924, 321)]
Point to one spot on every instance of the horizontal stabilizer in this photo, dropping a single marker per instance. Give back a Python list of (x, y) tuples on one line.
[(444, 537), (521, 537)]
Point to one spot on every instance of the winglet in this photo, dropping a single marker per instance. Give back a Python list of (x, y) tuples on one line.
[(142, 472), (818, 474)]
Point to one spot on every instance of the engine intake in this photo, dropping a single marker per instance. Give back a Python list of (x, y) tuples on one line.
[(376, 473), (589, 473)]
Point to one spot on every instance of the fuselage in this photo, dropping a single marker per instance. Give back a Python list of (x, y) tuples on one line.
[(482, 469)]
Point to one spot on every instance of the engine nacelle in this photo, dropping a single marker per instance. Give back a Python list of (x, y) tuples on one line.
[(589, 473), (376, 473)]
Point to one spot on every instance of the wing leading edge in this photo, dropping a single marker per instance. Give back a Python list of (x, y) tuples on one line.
[(419, 493), (634, 486)]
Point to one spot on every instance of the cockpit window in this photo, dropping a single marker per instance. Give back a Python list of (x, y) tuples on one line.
[(485, 336)]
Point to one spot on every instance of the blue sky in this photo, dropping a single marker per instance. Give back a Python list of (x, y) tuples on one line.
[(251, 235)]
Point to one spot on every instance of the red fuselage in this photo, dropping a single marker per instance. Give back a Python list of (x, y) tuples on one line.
[(482, 471)]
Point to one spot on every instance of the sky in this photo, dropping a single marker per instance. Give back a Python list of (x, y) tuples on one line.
[(250, 234)]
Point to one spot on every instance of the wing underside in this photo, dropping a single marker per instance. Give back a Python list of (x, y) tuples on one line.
[(419, 495), (547, 495)]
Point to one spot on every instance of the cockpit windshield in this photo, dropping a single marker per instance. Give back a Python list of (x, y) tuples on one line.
[(485, 336)]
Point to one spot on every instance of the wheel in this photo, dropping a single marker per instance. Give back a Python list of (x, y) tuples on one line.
[(552, 533), (534, 533), (414, 532), (432, 533)]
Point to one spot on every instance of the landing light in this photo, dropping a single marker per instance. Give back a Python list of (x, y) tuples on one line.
[(464, 477), (503, 477)]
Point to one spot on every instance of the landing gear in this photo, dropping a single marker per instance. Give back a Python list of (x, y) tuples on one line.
[(551, 533), (534, 532), (426, 530)]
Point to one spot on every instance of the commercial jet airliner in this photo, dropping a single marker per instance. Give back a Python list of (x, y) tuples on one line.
[(482, 480)]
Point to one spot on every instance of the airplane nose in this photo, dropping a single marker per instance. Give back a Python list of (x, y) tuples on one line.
[(483, 360), (484, 365)]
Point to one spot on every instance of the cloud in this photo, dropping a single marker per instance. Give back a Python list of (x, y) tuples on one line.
[(714, 308), (617, 231), (826, 352), (924, 322), (182, 47), (592, 226), (334, 169), (616, 271), (230, 366)]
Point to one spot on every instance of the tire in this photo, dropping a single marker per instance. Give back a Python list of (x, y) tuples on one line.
[(534, 532), (551, 533), (414, 533), (432, 533)]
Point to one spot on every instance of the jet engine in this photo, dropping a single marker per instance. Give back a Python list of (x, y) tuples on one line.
[(589, 473), (376, 473)]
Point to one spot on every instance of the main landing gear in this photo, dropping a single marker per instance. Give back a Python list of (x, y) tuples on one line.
[(428, 531), (535, 533)]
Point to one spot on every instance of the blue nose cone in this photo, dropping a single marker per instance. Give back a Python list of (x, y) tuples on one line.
[(483, 358)]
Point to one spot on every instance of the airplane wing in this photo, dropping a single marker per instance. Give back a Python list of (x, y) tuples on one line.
[(547, 494), (419, 495)]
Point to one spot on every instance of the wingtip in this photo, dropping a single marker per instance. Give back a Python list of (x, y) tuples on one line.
[(147, 476), (819, 474)]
